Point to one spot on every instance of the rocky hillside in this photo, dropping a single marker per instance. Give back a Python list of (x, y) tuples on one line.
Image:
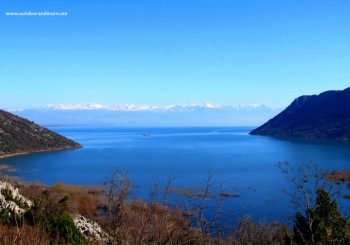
[(16, 210), (18, 135), (323, 116)]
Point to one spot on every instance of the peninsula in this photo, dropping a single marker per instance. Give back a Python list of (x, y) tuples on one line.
[(20, 136), (323, 116)]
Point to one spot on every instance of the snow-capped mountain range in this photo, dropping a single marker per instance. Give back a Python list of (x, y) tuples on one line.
[(132, 107), (204, 114)]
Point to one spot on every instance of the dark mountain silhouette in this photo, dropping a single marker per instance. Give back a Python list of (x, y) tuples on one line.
[(20, 136), (323, 116)]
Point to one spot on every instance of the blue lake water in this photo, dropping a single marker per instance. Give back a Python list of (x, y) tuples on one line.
[(244, 164)]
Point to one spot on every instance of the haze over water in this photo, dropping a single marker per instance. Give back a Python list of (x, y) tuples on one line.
[(244, 164)]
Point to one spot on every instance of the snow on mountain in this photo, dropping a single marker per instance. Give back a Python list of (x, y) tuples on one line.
[(132, 107), (203, 114)]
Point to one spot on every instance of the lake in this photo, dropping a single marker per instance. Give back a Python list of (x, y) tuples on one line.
[(243, 164)]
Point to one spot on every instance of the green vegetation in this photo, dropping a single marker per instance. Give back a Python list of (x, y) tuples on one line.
[(10, 218), (48, 215), (322, 225), (52, 215), (63, 226)]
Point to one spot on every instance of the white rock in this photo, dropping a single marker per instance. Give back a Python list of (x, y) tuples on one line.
[(14, 194), (90, 229)]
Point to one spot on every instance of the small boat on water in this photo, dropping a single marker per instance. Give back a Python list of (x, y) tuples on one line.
[(146, 134)]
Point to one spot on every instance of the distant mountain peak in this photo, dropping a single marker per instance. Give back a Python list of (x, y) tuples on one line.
[(194, 114), (132, 107), (74, 107)]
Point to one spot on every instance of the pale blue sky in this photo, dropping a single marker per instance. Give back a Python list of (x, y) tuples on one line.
[(172, 51)]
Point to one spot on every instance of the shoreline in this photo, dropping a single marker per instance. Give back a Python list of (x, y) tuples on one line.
[(39, 151)]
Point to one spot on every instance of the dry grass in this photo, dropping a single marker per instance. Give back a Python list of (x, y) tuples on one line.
[(143, 223), (191, 193), (83, 200), (249, 232), (226, 194), (339, 176), (24, 235), (138, 221)]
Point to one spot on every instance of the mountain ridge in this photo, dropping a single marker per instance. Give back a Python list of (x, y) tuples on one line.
[(176, 115), (323, 116), (20, 136), (133, 107)]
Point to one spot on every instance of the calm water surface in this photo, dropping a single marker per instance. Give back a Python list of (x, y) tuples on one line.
[(244, 164)]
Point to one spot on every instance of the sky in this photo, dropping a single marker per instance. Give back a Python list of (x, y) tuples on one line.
[(161, 52)]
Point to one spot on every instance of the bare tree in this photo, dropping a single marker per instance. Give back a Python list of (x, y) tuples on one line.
[(306, 180), (118, 189)]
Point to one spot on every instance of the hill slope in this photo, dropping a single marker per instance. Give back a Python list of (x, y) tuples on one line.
[(323, 116), (19, 136)]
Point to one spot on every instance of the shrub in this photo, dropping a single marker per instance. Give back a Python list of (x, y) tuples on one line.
[(9, 218), (322, 225), (62, 227)]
